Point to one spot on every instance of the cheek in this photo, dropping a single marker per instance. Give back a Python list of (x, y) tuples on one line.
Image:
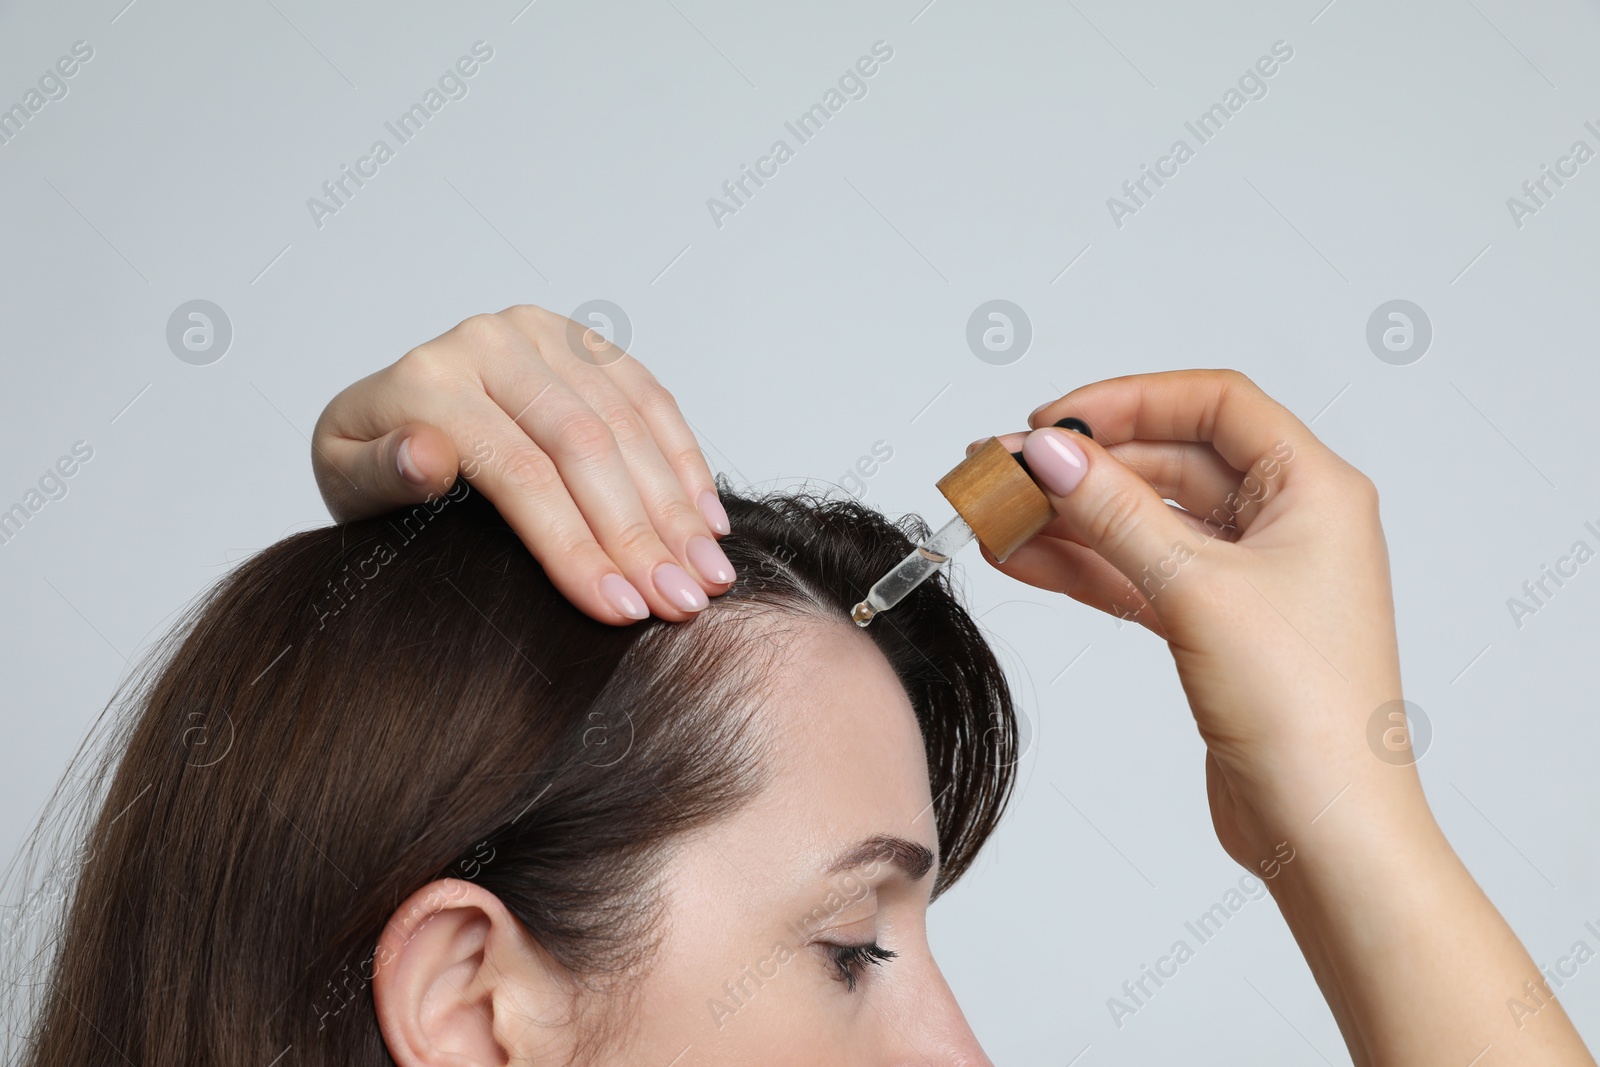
[(741, 999)]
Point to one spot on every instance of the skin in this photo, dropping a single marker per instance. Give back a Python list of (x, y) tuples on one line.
[(1268, 579), (742, 974)]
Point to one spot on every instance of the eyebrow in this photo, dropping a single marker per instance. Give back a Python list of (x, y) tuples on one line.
[(914, 859)]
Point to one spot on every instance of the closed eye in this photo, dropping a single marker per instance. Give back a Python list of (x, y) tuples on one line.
[(850, 961)]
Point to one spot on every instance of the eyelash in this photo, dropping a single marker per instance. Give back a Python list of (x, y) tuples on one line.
[(851, 960)]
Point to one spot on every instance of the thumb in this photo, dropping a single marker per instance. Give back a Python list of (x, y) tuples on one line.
[(1110, 509), (405, 466)]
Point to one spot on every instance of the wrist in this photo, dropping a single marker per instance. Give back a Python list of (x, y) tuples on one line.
[(1373, 854), (1326, 788)]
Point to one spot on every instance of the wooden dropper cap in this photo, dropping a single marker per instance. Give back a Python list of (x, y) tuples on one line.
[(997, 496)]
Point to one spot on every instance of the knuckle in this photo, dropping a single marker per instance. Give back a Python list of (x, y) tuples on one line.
[(1361, 489), (1115, 519), (530, 472), (585, 434), (676, 513), (1237, 379), (655, 399), (427, 367), (687, 459), (484, 332), (625, 423), (1340, 491), (638, 539), (531, 317)]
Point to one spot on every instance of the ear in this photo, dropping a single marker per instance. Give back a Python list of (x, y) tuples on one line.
[(458, 982)]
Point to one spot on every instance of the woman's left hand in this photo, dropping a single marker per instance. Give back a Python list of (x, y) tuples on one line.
[(581, 449)]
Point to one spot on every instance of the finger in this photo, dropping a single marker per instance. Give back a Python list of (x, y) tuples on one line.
[(581, 355), (1055, 562), (1197, 478), (1061, 529), (673, 437), (409, 465), (1193, 475), (591, 472), (683, 528), (648, 512), (1112, 510), (1013, 441), (1064, 566), (530, 492), (1221, 407)]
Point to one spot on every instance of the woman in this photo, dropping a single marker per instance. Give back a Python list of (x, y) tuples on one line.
[(460, 824), (393, 799)]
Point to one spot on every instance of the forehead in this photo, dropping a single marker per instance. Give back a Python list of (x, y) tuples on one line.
[(837, 709), (845, 754)]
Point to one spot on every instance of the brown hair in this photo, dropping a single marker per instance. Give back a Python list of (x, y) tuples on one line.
[(361, 709)]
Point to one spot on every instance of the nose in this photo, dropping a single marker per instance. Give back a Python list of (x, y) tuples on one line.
[(934, 1029)]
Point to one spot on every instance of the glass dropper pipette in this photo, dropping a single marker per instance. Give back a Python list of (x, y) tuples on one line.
[(912, 571), (934, 552)]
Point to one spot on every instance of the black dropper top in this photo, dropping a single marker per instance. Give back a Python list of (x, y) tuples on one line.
[(1068, 423)]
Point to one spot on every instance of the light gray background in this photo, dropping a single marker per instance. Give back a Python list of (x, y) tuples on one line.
[(829, 314)]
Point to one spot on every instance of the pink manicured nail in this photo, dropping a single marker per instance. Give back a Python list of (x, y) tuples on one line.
[(716, 515), (408, 466), (1055, 459), (676, 585), (710, 560), (620, 594)]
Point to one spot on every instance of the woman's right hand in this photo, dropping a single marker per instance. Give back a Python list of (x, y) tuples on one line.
[(1270, 584), (574, 441)]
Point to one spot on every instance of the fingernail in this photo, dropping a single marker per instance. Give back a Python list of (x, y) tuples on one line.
[(408, 466), (973, 447), (716, 515), (676, 585), (709, 559), (1035, 412), (1055, 459), (620, 594)]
